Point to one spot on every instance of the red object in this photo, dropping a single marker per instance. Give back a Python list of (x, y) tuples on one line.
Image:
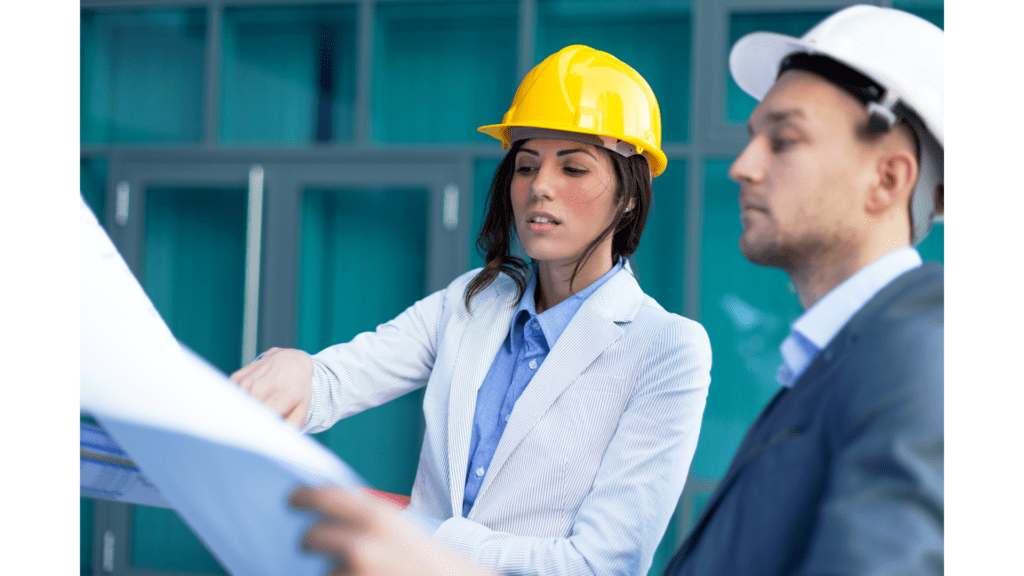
[(396, 499)]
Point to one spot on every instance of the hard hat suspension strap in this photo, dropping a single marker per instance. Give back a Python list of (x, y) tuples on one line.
[(620, 147), (882, 115)]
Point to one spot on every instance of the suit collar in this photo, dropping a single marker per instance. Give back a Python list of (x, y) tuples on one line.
[(922, 278)]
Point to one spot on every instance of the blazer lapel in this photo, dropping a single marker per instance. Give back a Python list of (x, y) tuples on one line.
[(486, 330), (592, 330)]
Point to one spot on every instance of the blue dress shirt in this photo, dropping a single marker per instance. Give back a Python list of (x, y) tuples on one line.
[(816, 327), (529, 340)]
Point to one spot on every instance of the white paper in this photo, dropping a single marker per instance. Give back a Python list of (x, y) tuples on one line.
[(221, 459), (107, 472)]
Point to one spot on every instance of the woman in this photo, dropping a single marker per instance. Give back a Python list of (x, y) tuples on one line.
[(562, 404)]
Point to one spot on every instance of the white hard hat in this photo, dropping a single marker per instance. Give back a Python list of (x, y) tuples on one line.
[(899, 51)]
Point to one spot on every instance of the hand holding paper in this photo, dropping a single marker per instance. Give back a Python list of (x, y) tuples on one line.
[(282, 379), (367, 537)]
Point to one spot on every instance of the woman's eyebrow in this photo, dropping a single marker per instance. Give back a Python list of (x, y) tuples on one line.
[(574, 150)]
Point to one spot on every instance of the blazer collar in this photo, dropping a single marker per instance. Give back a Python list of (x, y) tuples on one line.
[(592, 330)]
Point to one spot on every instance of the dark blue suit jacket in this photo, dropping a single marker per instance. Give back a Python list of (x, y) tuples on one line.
[(842, 474)]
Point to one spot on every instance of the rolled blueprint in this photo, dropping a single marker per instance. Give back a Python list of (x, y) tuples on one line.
[(224, 462)]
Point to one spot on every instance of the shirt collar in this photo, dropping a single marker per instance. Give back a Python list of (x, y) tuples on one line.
[(554, 320), (828, 315), (816, 327)]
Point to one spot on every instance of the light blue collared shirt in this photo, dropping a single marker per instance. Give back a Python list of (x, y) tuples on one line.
[(816, 327), (531, 336)]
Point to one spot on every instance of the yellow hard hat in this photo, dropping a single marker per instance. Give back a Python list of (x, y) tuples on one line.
[(585, 91)]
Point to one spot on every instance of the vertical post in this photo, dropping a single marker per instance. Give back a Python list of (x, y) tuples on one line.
[(110, 541), (253, 241), (364, 63), (527, 37), (211, 88), (702, 39), (122, 203)]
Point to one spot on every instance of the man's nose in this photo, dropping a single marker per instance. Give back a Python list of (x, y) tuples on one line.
[(749, 165)]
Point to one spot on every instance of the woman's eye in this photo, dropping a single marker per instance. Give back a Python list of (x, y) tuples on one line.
[(524, 169), (573, 171)]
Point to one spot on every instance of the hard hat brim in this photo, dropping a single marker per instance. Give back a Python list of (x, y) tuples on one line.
[(754, 60), (655, 157)]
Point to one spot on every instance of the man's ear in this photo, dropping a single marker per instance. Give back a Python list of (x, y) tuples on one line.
[(896, 174)]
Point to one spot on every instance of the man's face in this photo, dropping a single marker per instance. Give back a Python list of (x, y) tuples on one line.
[(803, 175)]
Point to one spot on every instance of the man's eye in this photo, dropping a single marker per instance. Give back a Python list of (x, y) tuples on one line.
[(781, 144)]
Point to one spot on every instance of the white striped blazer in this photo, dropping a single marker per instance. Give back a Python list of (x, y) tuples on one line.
[(593, 459)]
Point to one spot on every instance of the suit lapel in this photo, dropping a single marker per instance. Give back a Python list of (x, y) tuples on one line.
[(819, 371), (592, 330), (486, 330)]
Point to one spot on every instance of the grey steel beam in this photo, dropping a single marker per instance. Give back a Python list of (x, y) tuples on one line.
[(212, 68)]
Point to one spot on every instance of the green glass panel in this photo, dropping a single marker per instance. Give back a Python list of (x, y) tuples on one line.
[(747, 311), (934, 245), (288, 75), (85, 521), (615, 26), (194, 267), (931, 10), (193, 270), (698, 502), (440, 70), (738, 104), (363, 262), (665, 550), (483, 173), (142, 75), (660, 262), (92, 181), (162, 541)]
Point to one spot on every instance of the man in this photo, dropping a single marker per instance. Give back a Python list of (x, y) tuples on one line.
[(842, 472)]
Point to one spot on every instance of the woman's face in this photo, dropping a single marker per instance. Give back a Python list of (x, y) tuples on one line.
[(563, 197)]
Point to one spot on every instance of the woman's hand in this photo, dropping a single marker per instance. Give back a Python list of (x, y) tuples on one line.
[(366, 537), (283, 380)]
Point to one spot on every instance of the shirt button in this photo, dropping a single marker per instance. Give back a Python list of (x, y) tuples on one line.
[(480, 471), (533, 364), (506, 418)]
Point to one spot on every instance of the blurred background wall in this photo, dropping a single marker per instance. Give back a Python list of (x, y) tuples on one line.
[(292, 173)]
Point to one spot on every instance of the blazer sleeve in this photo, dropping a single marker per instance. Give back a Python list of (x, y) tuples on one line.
[(882, 512), (621, 520), (376, 367)]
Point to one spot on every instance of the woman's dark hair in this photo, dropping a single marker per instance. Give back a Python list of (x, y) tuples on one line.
[(633, 183)]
